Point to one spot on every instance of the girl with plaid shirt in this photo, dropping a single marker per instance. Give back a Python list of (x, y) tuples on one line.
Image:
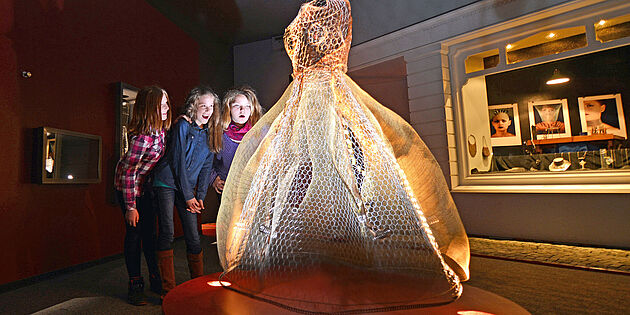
[(151, 117)]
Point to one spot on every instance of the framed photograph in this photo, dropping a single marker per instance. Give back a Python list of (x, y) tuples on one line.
[(602, 114), (550, 118), (504, 123)]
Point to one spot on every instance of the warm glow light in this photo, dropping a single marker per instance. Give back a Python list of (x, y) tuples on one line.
[(509, 46), (219, 283), (602, 22), (558, 81), (70, 176), (473, 313), (551, 35)]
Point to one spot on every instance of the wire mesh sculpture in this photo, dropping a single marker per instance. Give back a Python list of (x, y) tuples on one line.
[(333, 191)]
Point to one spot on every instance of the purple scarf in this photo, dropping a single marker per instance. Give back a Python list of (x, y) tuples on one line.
[(235, 132)]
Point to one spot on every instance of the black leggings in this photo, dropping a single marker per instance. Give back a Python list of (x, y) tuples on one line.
[(142, 237)]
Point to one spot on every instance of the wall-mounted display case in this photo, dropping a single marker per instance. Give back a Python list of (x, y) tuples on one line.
[(551, 95), (66, 157)]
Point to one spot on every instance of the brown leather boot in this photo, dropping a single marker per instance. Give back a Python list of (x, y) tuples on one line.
[(167, 270), (195, 265)]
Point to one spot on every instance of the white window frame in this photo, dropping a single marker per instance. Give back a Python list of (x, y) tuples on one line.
[(575, 13)]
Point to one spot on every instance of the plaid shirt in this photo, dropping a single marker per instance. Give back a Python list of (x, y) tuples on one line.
[(131, 170)]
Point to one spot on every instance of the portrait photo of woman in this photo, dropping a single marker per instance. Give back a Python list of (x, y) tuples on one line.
[(602, 114)]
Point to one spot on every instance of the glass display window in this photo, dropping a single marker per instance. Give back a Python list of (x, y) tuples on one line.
[(611, 29), (483, 60), (550, 115), (546, 43)]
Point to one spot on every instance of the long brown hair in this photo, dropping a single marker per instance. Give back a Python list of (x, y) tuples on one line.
[(147, 116), (228, 99), (190, 110)]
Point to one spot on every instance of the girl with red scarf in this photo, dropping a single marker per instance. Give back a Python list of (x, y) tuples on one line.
[(241, 111)]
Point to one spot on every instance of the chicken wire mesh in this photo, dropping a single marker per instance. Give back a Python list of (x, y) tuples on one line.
[(331, 190)]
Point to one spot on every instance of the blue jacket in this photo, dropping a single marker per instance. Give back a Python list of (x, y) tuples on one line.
[(188, 161)]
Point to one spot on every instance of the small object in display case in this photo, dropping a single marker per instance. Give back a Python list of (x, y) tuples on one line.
[(485, 150), (559, 164), (581, 159), (472, 145), (606, 158)]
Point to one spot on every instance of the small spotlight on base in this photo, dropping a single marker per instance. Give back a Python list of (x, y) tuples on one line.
[(219, 283)]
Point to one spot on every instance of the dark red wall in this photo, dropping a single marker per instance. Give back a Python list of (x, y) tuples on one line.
[(76, 51)]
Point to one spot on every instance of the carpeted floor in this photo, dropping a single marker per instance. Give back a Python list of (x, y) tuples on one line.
[(541, 289)]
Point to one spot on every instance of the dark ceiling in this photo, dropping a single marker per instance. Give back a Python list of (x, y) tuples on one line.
[(230, 21), (234, 22)]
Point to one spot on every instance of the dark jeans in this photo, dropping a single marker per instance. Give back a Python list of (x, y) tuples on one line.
[(142, 237), (166, 198)]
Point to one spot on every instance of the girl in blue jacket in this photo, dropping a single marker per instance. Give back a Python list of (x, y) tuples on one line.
[(182, 178)]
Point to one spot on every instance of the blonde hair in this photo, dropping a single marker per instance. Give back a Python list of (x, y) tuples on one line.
[(228, 100), (230, 97), (147, 112), (192, 105)]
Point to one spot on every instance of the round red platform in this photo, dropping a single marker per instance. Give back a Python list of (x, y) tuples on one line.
[(198, 297)]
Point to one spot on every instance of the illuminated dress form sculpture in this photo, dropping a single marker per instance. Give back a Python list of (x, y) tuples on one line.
[(332, 191)]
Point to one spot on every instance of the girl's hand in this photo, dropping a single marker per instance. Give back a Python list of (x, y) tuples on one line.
[(193, 206), (132, 217), (218, 184)]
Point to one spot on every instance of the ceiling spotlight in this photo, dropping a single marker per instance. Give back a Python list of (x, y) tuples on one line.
[(601, 23), (551, 35), (508, 46), (557, 78)]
